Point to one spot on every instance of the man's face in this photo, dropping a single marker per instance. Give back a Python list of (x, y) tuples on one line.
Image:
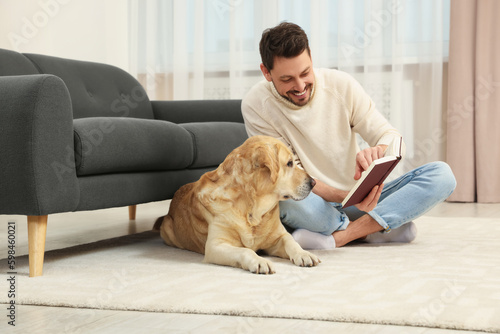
[(293, 78)]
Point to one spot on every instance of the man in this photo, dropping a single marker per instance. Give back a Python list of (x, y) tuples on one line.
[(317, 113)]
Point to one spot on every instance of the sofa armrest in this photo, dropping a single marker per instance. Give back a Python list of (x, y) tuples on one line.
[(37, 163), (198, 111)]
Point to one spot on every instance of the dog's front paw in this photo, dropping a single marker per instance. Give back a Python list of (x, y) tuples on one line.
[(260, 266), (305, 259)]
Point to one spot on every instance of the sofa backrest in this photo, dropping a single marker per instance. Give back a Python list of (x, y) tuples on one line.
[(14, 63), (96, 90)]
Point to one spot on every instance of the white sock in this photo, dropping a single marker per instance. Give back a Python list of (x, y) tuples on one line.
[(313, 240), (404, 233)]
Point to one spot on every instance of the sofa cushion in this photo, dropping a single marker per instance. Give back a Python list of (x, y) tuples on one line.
[(115, 145), (213, 141), (97, 90)]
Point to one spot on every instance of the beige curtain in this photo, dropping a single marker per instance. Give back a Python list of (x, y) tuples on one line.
[(473, 128)]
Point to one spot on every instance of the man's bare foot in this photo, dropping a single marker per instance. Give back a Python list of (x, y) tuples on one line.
[(357, 229)]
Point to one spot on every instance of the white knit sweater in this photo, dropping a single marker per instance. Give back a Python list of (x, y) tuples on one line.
[(321, 134)]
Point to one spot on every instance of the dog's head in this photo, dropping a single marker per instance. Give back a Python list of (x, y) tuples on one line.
[(270, 166)]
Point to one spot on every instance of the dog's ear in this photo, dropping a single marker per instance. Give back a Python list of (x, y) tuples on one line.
[(266, 156)]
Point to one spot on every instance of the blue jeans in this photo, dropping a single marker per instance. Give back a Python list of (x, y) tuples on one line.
[(402, 200)]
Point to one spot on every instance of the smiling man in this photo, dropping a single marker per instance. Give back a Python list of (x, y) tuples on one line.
[(295, 77), (317, 113)]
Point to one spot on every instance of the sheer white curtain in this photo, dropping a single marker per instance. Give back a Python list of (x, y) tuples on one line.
[(208, 49)]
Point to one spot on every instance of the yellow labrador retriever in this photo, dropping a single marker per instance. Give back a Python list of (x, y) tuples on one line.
[(232, 212)]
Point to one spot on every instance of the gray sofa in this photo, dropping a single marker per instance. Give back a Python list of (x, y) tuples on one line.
[(77, 135)]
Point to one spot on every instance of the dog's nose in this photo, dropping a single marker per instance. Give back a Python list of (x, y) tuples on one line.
[(312, 183)]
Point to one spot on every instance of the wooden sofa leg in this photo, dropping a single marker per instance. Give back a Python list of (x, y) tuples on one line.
[(37, 230), (131, 211)]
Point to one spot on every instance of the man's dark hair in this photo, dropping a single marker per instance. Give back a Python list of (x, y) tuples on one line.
[(286, 40)]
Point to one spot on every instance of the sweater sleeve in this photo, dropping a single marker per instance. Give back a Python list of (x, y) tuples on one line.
[(368, 121), (255, 124)]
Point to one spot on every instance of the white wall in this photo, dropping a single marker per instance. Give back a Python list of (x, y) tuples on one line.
[(93, 30)]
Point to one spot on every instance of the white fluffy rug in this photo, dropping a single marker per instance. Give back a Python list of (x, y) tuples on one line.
[(449, 277)]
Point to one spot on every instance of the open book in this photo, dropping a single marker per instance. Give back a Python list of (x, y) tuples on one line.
[(376, 174)]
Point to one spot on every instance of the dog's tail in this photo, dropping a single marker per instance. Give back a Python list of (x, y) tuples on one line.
[(158, 223)]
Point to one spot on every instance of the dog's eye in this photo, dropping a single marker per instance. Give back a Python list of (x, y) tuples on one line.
[(290, 163)]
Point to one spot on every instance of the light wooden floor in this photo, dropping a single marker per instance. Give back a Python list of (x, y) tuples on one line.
[(71, 229)]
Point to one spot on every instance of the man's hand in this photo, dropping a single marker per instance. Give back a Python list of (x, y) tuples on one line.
[(365, 157), (370, 201), (331, 194), (363, 160)]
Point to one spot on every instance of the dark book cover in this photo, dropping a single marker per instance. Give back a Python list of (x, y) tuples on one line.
[(376, 174)]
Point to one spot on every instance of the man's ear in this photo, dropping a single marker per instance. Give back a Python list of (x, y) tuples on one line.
[(266, 73)]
